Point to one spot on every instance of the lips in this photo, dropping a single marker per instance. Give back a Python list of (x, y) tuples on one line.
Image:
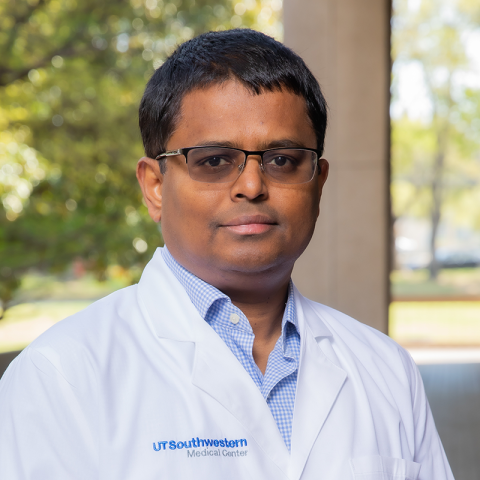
[(250, 224)]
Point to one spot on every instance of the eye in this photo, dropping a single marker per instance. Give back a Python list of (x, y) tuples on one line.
[(280, 161), (215, 162)]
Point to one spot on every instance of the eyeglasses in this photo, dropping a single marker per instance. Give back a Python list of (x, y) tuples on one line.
[(212, 164)]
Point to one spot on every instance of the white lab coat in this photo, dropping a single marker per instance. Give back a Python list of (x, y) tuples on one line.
[(136, 385)]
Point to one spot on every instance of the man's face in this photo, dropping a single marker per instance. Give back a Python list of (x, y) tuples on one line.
[(250, 226)]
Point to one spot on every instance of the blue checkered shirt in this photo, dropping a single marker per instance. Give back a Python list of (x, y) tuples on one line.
[(279, 383)]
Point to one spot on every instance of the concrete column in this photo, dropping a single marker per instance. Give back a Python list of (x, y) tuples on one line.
[(346, 45)]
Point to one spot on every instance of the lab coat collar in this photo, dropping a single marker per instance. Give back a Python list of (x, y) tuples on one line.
[(312, 322), (161, 296), (319, 383)]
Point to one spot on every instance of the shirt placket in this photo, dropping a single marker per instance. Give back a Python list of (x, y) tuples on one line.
[(233, 327)]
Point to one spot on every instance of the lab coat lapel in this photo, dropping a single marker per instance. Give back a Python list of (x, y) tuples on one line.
[(218, 373), (216, 370), (318, 385)]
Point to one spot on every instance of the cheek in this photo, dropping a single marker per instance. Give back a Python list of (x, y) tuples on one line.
[(306, 222), (300, 210), (175, 215), (187, 213)]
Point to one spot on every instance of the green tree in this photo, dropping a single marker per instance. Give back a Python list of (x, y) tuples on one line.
[(71, 76), (432, 36)]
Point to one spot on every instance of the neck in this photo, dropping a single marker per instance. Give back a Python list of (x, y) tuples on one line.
[(262, 299), (260, 295), (263, 308), (265, 317)]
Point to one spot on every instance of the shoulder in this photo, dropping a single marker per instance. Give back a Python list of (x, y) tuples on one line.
[(95, 321), (341, 324), (340, 321), (83, 342)]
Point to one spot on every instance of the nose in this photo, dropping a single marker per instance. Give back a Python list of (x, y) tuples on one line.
[(250, 184)]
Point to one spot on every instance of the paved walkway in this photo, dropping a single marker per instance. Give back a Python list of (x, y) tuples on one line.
[(5, 359), (454, 394), (453, 391), (444, 355)]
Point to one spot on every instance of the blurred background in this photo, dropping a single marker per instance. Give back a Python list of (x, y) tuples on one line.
[(72, 224), (435, 172), (73, 227)]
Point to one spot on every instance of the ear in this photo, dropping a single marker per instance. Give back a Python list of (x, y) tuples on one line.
[(323, 168), (151, 182)]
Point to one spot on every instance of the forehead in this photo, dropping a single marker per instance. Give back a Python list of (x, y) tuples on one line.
[(231, 113)]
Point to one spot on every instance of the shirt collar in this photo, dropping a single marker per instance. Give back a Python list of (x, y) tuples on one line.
[(203, 295)]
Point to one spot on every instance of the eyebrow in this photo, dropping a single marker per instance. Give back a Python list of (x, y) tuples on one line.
[(281, 143)]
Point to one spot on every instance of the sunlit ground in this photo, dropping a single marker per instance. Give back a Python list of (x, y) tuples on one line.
[(444, 312), (440, 323), (44, 300), (25, 322)]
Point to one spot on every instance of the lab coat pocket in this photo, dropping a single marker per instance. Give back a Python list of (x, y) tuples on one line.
[(384, 468)]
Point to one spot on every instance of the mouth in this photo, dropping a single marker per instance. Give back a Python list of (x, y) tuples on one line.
[(250, 224)]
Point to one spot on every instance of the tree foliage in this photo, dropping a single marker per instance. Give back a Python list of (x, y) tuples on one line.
[(71, 77), (436, 160)]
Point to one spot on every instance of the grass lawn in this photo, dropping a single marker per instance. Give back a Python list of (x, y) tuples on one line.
[(43, 300), (435, 323), (23, 323)]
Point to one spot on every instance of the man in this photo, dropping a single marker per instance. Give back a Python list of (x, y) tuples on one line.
[(214, 365)]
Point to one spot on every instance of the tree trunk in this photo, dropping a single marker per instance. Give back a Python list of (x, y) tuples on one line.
[(437, 198)]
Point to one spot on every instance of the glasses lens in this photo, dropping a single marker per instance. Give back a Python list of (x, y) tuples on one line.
[(214, 164), (290, 165)]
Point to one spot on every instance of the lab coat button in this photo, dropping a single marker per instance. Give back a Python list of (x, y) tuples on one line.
[(234, 318)]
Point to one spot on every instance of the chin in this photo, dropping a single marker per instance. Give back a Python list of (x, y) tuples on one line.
[(255, 262)]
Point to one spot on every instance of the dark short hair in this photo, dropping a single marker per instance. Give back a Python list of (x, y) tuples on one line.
[(256, 60)]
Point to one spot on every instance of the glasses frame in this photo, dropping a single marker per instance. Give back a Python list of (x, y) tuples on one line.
[(247, 153)]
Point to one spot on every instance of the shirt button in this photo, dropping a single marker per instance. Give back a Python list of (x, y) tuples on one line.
[(234, 318)]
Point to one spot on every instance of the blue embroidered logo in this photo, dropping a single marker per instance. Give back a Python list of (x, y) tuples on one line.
[(199, 443)]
